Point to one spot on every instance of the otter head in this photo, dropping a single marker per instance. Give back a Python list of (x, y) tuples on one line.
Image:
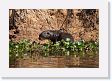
[(45, 35)]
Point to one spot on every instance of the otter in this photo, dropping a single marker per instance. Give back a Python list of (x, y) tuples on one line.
[(55, 35)]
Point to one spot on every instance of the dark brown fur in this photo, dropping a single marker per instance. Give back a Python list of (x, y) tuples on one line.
[(55, 35)]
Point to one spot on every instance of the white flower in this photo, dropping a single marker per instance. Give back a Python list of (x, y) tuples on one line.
[(67, 39), (16, 55), (17, 46)]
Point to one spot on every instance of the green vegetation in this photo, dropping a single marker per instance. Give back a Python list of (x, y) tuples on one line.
[(61, 48)]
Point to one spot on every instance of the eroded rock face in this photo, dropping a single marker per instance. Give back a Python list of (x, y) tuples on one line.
[(29, 23)]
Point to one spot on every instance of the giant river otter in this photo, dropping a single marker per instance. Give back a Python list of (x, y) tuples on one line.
[(55, 35)]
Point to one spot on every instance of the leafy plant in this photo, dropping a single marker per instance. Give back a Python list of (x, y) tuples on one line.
[(79, 48)]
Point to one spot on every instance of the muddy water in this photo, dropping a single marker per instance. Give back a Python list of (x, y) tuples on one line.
[(57, 62)]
